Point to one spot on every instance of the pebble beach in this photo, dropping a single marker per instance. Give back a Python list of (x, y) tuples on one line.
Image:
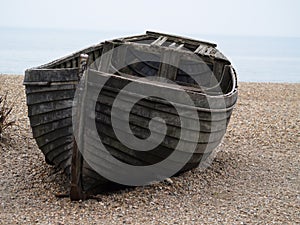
[(254, 179)]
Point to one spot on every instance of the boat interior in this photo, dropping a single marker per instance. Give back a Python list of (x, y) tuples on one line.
[(195, 65)]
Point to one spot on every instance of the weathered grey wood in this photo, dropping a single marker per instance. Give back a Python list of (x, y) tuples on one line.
[(139, 125), (47, 107), (169, 143), (49, 127), (205, 126), (50, 96), (182, 39), (51, 75), (54, 135), (199, 99), (108, 94), (57, 143), (170, 63), (105, 62), (54, 146), (30, 89), (59, 154), (168, 113), (94, 153), (159, 41), (49, 117), (158, 50), (50, 90), (76, 191), (49, 99)]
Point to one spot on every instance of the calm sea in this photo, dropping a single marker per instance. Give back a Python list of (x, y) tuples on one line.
[(257, 59)]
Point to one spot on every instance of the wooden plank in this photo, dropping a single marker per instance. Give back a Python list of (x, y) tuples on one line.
[(52, 149), (51, 96), (65, 165), (59, 154), (152, 102), (139, 126), (48, 107), (140, 158), (205, 126), (51, 75), (51, 146), (76, 191), (54, 135), (146, 109), (49, 117), (159, 41), (118, 150), (216, 103), (176, 38), (127, 156), (53, 87), (49, 127), (168, 142)]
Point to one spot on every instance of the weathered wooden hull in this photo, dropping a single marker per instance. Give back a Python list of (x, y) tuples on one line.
[(213, 125), (50, 91), (50, 95)]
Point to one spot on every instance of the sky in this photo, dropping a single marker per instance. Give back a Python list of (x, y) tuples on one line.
[(222, 17)]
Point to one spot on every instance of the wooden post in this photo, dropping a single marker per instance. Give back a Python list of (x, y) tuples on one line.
[(76, 190)]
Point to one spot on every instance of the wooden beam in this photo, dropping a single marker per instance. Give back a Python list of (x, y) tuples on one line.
[(76, 190), (159, 41), (178, 38)]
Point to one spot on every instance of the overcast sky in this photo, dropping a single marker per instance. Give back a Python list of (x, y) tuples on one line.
[(225, 17)]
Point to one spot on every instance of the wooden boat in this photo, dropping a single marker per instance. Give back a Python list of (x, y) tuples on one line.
[(51, 88)]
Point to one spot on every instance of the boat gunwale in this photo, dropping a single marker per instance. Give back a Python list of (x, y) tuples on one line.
[(170, 86)]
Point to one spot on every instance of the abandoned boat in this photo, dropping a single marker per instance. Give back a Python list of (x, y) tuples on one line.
[(186, 68)]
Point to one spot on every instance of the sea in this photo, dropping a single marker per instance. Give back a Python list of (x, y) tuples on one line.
[(256, 59)]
